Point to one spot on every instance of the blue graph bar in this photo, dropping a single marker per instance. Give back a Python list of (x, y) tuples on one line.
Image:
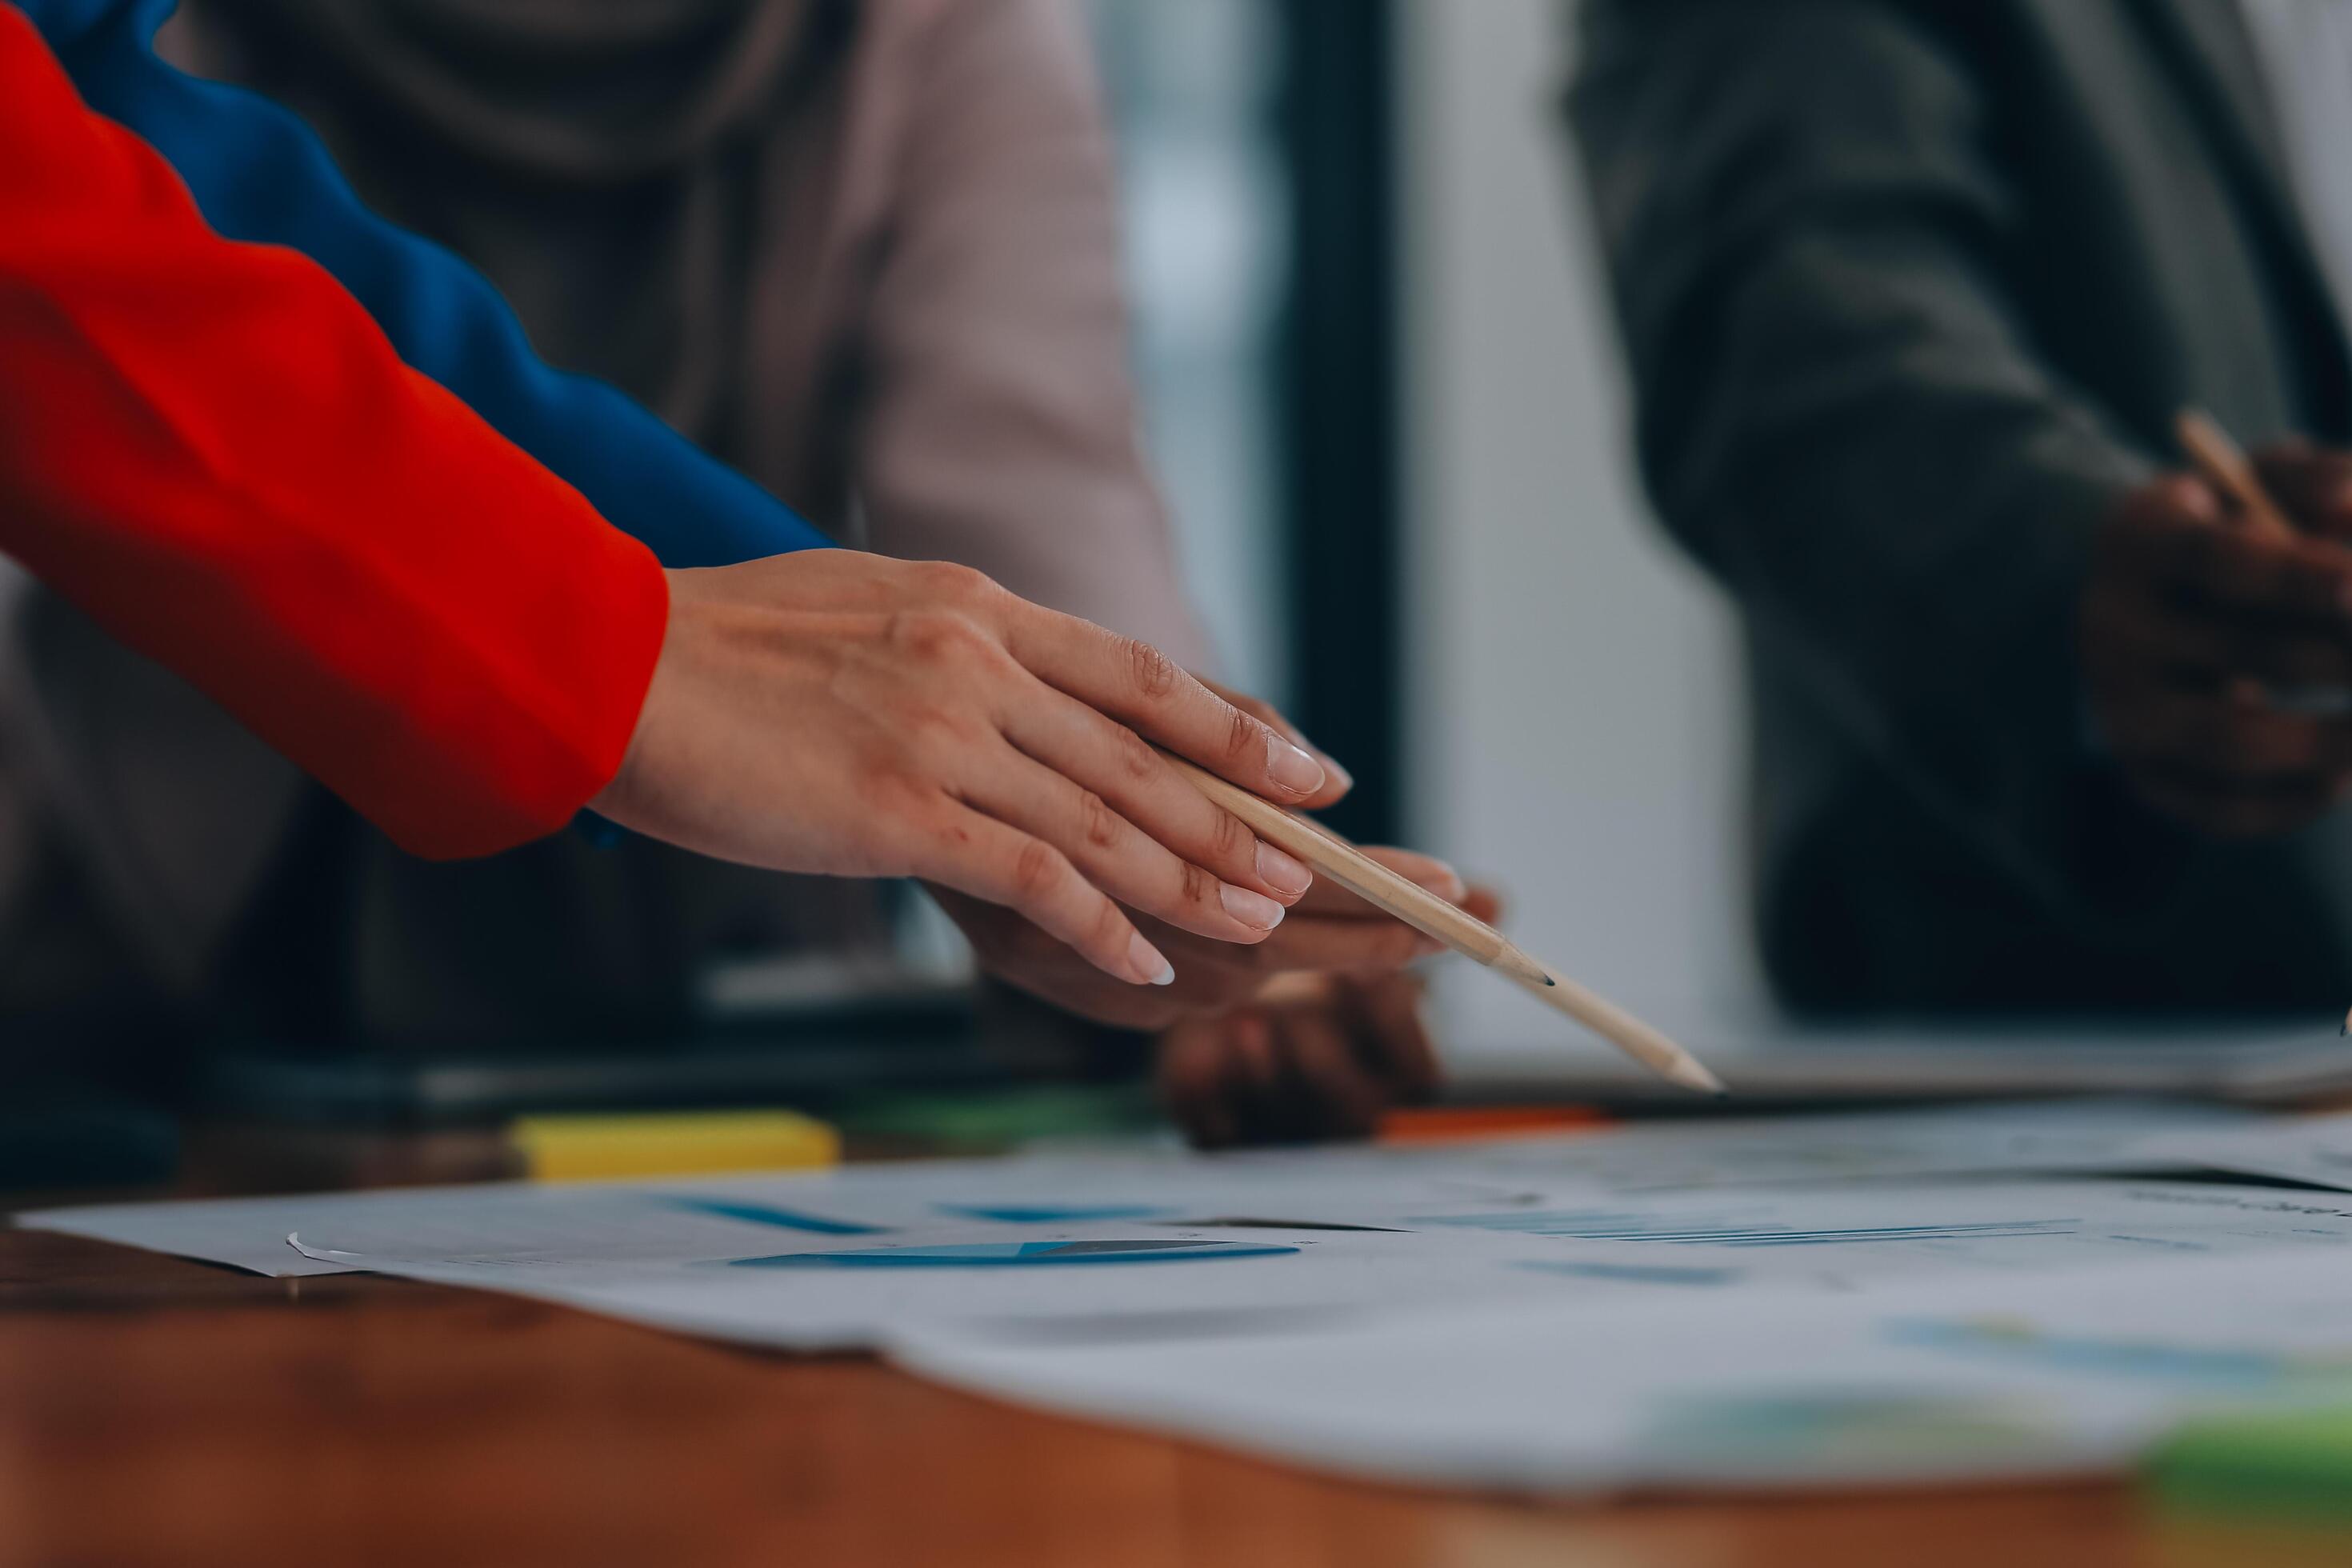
[(1018, 1254), (769, 1214)]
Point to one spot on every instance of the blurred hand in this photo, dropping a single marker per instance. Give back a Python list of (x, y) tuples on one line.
[(1328, 929), (2192, 623), (1311, 1056), (847, 714)]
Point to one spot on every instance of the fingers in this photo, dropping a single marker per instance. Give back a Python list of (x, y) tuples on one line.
[(2188, 621), (1336, 779), (1144, 689), (1330, 929), (2313, 484), (1114, 763), (1393, 1037), (1213, 977), (1342, 945), (1198, 1082), (994, 861), (1485, 903), (2229, 764), (1337, 1093), (1129, 680), (1112, 853), (1329, 898), (2170, 533), (1312, 1057), (2228, 736), (2145, 638), (2163, 503)]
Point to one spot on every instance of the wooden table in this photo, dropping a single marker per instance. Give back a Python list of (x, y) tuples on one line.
[(153, 1410)]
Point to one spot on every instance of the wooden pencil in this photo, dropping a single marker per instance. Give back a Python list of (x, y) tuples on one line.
[(2221, 461), (1332, 856)]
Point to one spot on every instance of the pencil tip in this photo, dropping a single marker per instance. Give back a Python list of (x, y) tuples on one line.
[(1549, 981), (1690, 1074)]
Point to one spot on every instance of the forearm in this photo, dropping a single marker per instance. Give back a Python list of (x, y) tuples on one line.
[(1905, 505), (212, 450), (258, 174), (1843, 414)]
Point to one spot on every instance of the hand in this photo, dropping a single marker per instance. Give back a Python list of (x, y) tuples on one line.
[(1336, 779), (1311, 1056), (2191, 624), (1329, 928), (847, 714)]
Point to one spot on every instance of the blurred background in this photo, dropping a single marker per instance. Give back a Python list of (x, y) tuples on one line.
[(1383, 394), (937, 273)]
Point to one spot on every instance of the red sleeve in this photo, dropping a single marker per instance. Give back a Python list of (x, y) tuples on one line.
[(212, 450)]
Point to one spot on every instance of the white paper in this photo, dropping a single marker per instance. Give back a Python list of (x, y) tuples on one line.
[(2034, 1138), (1336, 1185), (1974, 1379), (2313, 1149), (633, 1255), (1856, 1298), (685, 1218), (1239, 1280)]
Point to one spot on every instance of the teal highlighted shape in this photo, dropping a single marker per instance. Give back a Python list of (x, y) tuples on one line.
[(1018, 1254), (1051, 1214), (771, 1214)]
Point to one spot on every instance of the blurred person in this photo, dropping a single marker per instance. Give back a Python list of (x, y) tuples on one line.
[(866, 254), (1911, 291), (213, 447)]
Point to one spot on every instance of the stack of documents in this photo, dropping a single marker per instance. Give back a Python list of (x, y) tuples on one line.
[(1962, 1292)]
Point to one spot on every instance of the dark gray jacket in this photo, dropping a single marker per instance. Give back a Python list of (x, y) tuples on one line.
[(1910, 290)]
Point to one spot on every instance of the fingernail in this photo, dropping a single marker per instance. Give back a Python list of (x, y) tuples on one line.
[(1282, 873), (1150, 962), (1250, 909), (1293, 769), (1447, 884), (1339, 775)]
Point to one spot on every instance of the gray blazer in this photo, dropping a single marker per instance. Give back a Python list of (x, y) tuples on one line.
[(1910, 289)]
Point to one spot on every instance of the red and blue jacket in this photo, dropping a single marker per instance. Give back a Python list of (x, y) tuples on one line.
[(310, 461)]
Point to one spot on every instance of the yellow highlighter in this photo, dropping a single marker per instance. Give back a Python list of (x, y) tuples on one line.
[(671, 1143)]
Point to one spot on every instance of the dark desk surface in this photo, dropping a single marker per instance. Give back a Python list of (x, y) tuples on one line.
[(153, 1410)]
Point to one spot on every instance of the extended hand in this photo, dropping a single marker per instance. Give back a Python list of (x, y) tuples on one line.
[(1330, 929), (847, 714)]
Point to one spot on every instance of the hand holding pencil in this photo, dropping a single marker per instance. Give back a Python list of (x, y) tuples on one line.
[(2215, 630), (1334, 857)]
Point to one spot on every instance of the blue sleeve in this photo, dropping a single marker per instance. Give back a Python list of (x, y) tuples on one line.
[(259, 175)]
